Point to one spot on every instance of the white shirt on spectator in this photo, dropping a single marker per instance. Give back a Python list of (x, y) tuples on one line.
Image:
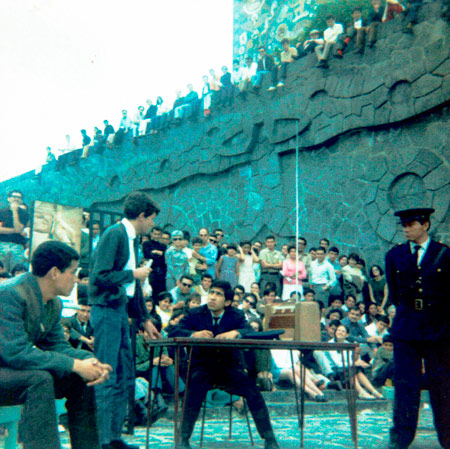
[(322, 273), (248, 72), (331, 33), (373, 331)]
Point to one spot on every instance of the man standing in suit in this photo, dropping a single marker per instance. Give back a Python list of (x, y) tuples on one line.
[(115, 294), (417, 274), (220, 367)]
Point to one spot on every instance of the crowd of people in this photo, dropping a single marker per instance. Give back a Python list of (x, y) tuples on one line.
[(218, 91), (172, 284), (184, 267), (353, 303)]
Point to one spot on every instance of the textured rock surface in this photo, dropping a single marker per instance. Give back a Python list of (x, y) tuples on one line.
[(373, 137)]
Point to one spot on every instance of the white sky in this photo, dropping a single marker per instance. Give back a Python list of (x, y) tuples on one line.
[(70, 64)]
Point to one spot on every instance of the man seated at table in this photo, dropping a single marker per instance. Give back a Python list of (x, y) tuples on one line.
[(216, 367)]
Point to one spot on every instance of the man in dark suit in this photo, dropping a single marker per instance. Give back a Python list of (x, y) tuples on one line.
[(220, 367), (417, 274), (81, 332), (115, 294), (266, 64)]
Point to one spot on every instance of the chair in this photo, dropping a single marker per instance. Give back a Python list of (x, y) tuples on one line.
[(10, 417), (230, 422)]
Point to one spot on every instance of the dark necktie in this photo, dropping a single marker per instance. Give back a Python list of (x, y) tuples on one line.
[(416, 253), (215, 324)]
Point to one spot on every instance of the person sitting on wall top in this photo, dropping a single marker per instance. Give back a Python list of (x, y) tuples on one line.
[(356, 29), (266, 64), (288, 55), (330, 40), (309, 45), (374, 19), (248, 71)]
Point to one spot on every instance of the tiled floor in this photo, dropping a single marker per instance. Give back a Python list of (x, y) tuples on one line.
[(325, 432)]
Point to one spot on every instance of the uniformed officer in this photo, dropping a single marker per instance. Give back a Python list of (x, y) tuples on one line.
[(418, 277)]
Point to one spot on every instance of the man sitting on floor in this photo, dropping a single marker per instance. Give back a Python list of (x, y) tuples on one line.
[(37, 363), (220, 367)]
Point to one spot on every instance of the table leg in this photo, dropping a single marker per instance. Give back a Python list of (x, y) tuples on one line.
[(183, 406), (349, 381), (302, 397), (149, 402)]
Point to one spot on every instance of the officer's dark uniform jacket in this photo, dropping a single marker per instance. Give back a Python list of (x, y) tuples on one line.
[(420, 293)]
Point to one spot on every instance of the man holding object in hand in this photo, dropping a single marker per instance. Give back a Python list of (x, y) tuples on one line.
[(37, 364), (115, 294)]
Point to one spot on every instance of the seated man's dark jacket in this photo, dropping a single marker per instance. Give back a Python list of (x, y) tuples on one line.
[(270, 64), (31, 335), (214, 359), (108, 277)]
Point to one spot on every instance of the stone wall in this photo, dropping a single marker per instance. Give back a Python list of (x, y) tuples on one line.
[(372, 133)]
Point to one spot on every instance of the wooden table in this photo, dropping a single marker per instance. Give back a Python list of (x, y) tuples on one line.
[(191, 343)]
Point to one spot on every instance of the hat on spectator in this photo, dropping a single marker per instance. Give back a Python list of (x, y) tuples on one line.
[(177, 234), (417, 214)]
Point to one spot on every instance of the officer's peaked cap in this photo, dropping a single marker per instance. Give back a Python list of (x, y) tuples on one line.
[(409, 215)]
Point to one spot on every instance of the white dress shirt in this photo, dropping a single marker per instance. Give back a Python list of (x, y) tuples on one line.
[(131, 264), (423, 248)]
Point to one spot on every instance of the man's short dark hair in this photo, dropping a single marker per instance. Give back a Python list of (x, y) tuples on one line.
[(285, 41), (291, 247), (324, 239), (156, 228), (330, 17), (83, 273), (354, 309), (226, 287), (239, 286), (82, 294), (18, 267), (387, 338), (187, 277), (164, 295), (218, 230), (269, 290), (334, 323), (137, 203), (206, 276), (166, 233), (270, 237), (187, 235), (52, 254), (304, 240), (197, 240), (261, 47), (12, 192), (335, 311), (333, 249), (307, 290), (382, 318), (321, 248)]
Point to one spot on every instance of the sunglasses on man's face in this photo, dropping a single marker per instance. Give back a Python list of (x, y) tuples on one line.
[(176, 238), (186, 285), (213, 241), (250, 302)]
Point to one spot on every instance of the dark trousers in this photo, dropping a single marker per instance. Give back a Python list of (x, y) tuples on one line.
[(239, 383), (267, 277), (113, 346), (407, 378), (37, 390), (158, 283)]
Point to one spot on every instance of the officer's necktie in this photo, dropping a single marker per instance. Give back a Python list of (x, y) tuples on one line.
[(216, 324), (416, 253)]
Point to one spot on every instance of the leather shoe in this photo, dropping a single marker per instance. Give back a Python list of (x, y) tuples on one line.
[(120, 444), (184, 444), (271, 444)]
